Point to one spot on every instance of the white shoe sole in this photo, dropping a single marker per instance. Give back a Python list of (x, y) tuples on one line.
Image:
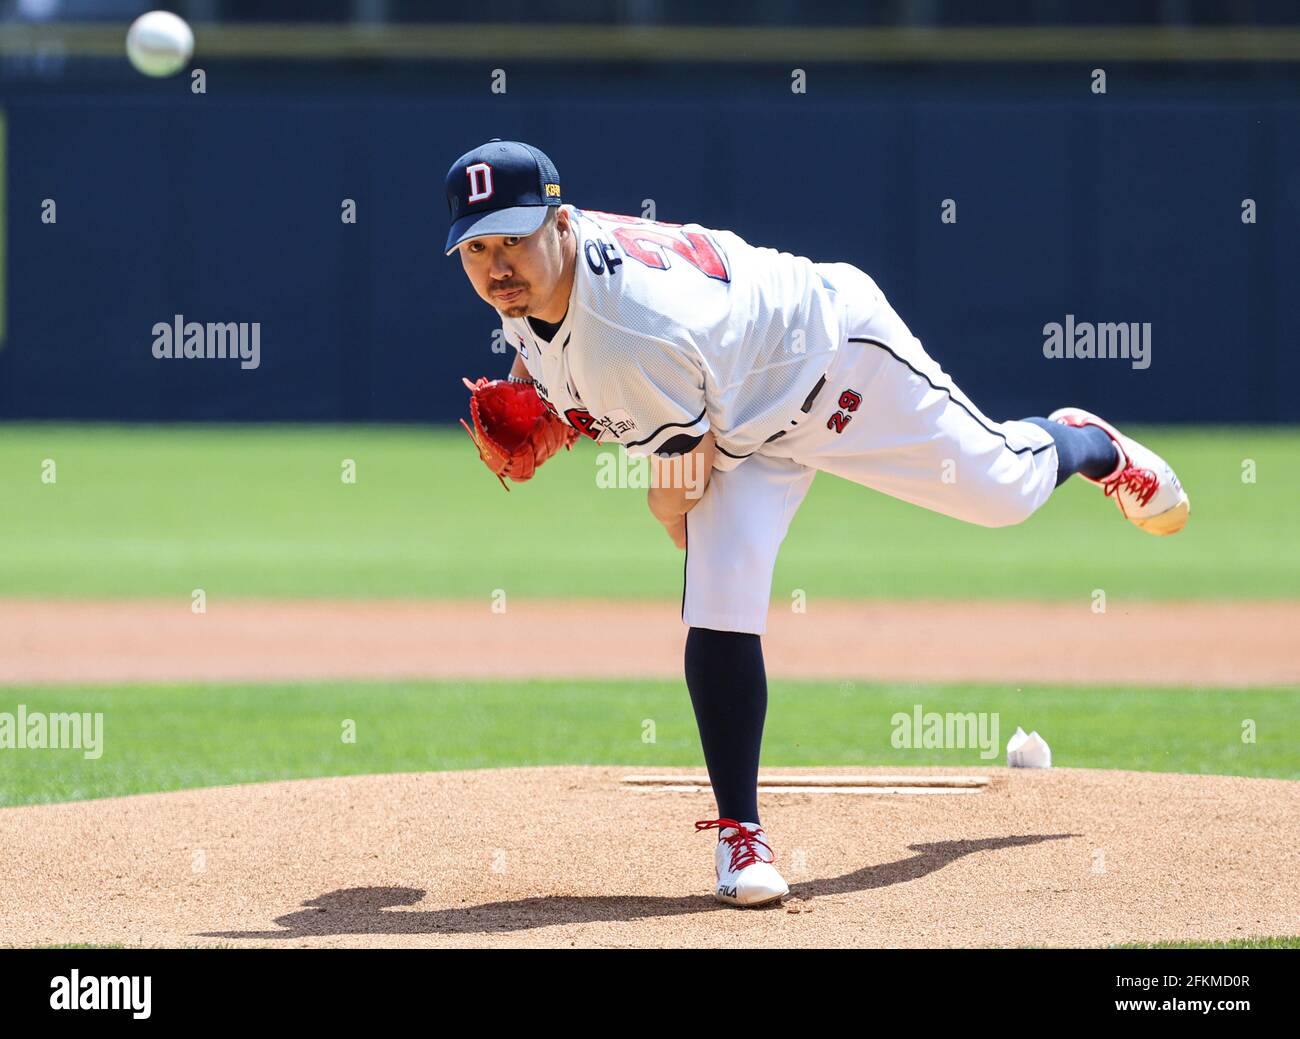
[(1172, 520), (728, 900)]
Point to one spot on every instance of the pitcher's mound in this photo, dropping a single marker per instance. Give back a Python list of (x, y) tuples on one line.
[(571, 856)]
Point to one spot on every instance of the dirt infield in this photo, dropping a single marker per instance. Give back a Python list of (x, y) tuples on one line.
[(556, 857), (1215, 644)]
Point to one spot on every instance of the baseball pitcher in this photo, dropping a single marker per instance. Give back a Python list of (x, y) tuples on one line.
[(741, 372)]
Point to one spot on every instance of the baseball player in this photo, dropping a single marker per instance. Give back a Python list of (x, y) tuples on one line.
[(743, 372)]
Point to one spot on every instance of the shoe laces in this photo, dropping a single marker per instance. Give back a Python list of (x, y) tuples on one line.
[(1141, 484), (742, 842)]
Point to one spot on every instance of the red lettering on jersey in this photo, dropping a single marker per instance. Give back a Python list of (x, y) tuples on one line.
[(838, 421), (651, 248), (850, 400), (583, 422), (641, 241)]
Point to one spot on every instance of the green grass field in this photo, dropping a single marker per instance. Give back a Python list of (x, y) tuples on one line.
[(173, 737), (262, 511), (1240, 943), (255, 512)]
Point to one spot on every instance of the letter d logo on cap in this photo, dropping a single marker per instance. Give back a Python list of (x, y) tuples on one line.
[(480, 181)]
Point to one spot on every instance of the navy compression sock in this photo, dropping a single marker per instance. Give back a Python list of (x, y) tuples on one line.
[(1080, 449), (728, 685)]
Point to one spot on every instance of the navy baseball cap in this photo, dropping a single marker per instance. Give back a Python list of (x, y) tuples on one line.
[(500, 188)]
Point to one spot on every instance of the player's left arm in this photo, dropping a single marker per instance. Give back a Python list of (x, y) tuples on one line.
[(518, 369), (679, 478)]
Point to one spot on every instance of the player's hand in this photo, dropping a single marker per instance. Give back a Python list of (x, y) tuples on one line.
[(677, 530), (668, 511), (677, 484)]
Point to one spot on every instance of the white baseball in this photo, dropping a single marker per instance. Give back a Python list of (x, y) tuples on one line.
[(159, 43)]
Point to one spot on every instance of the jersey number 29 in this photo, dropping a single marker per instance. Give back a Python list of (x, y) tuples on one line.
[(849, 401)]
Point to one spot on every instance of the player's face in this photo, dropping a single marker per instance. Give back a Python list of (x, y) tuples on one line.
[(517, 275)]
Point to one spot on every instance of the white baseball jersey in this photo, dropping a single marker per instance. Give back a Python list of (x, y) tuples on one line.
[(677, 329)]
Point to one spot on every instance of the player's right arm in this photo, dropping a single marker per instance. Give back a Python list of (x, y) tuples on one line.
[(649, 393), (678, 482)]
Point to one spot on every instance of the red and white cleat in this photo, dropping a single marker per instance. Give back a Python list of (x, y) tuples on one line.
[(745, 878), (1142, 484)]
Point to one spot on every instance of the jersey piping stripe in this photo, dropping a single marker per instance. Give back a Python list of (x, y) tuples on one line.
[(729, 454), (775, 436), (686, 553), (952, 397), (666, 425)]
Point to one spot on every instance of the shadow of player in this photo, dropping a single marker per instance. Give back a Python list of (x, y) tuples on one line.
[(928, 859), (377, 910)]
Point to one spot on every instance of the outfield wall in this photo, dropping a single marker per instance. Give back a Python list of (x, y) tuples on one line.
[(225, 207)]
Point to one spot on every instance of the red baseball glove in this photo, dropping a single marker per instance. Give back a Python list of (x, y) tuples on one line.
[(513, 430)]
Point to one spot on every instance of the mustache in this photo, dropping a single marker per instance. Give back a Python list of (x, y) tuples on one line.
[(498, 289)]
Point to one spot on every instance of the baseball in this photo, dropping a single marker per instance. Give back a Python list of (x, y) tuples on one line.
[(159, 43)]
